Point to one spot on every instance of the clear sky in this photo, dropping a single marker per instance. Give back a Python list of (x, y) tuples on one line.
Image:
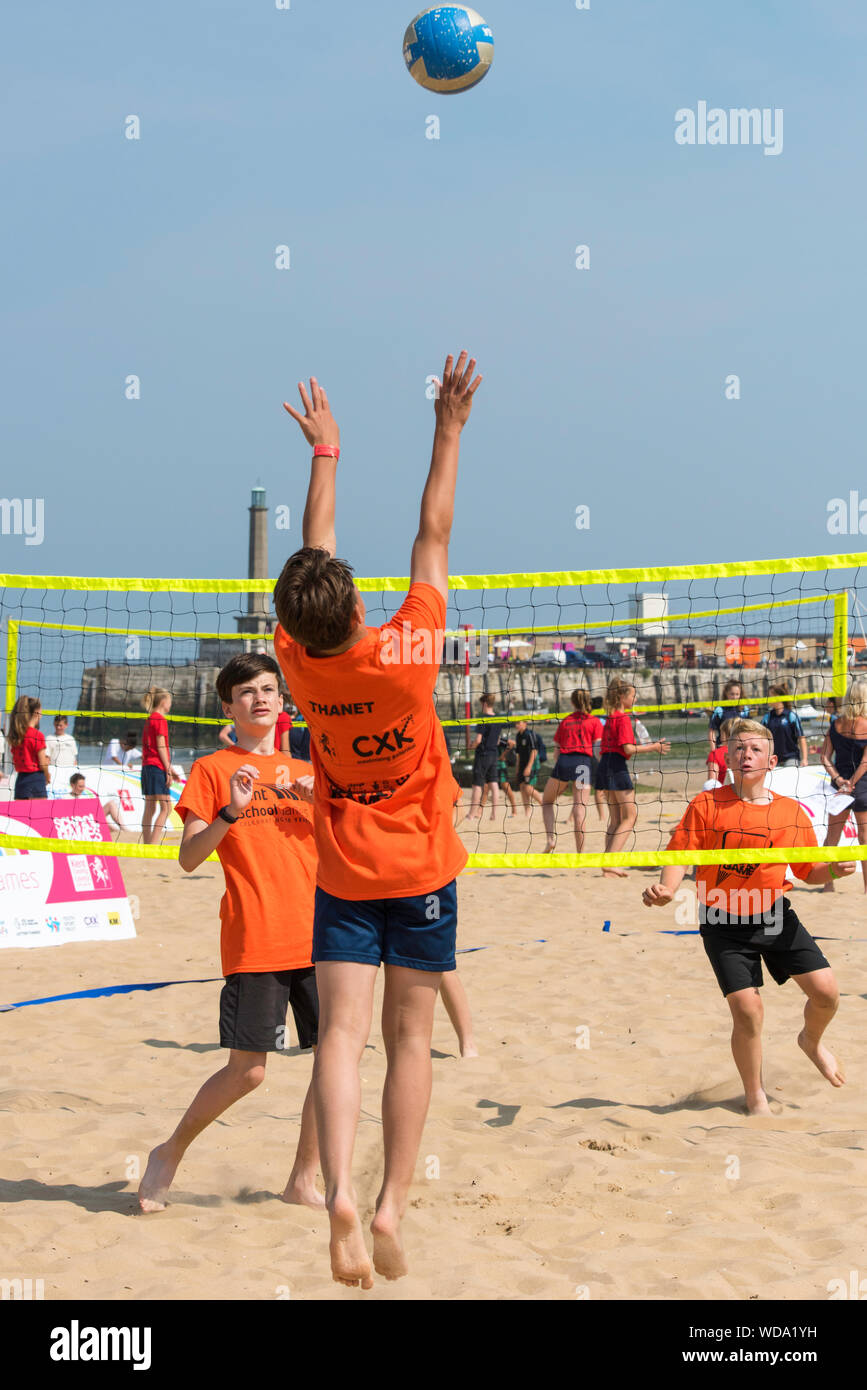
[(604, 387)]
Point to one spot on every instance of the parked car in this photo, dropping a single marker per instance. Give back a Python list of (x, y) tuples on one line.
[(578, 659), (606, 660), (551, 658)]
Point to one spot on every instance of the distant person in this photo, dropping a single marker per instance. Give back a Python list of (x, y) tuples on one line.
[(283, 731), (618, 745), (831, 710), (123, 755), (78, 787), (598, 708), (299, 741), (732, 690), (790, 745), (60, 746), (717, 759), (527, 764), (485, 761), (27, 745), (156, 771), (844, 758), (227, 736), (575, 737), (505, 759)]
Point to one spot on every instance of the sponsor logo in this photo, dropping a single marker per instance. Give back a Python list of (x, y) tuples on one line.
[(392, 741), (114, 919), (52, 923)]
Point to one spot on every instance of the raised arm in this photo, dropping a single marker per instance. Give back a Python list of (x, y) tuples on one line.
[(430, 552), (319, 428)]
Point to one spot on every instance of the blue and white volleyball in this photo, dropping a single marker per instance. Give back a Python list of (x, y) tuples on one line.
[(448, 48)]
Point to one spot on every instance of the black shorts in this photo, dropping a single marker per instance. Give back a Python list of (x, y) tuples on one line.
[(253, 1009), (737, 947), (573, 767), (612, 774), (485, 768), (859, 792), (154, 782)]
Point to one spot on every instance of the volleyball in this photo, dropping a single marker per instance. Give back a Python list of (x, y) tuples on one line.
[(448, 48)]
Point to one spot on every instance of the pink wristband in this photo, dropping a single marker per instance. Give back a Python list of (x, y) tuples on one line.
[(326, 451)]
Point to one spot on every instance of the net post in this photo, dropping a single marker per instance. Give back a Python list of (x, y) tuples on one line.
[(840, 669), (467, 686), (11, 684)]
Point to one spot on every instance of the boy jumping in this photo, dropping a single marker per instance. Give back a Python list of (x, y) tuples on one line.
[(384, 797), (743, 917), (252, 805)]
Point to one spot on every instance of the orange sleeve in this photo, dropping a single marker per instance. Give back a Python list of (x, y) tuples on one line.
[(423, 607), (199, 797)]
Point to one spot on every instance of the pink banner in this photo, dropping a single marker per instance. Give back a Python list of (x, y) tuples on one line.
[(48, 898)]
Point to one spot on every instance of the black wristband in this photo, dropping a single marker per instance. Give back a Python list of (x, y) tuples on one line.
[(225, 815)]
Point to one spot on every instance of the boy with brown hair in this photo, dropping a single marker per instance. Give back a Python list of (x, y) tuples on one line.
[(252, 805), (384, 797), (744, 918)]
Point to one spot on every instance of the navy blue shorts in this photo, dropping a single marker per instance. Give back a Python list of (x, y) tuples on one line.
[(573, 767), (418, 933), (613, 774), (153, 781), (30, 786)]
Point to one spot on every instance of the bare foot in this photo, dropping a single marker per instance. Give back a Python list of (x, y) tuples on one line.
[(469, 1049), (349, 1262), (614, 873), (301, 1191), (758, 1104), (549, 848), (158, 1177), (821, 1058), (828, 888), (388, 1257)]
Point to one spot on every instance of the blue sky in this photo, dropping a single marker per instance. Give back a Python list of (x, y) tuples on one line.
[(603, 387)]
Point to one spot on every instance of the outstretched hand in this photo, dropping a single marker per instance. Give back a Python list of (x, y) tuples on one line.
[(317, 423), (454, 398)]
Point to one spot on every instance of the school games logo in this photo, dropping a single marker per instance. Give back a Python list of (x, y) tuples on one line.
[(741, 839)]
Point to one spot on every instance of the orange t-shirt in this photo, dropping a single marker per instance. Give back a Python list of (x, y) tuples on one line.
[(268, 858), (719, 819), (384, 787)]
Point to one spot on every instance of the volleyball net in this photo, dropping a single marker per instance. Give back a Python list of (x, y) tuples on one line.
[(90, 648)]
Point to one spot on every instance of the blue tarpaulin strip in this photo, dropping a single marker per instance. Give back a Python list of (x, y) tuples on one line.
[(113, 989)]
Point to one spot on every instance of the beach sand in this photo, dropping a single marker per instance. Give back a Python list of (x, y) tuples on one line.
[(622, 1167)]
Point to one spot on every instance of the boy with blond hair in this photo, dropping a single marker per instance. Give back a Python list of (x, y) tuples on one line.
[(744, 918)]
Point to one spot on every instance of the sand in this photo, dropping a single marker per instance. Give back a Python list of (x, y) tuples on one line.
[(623, 1167)]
